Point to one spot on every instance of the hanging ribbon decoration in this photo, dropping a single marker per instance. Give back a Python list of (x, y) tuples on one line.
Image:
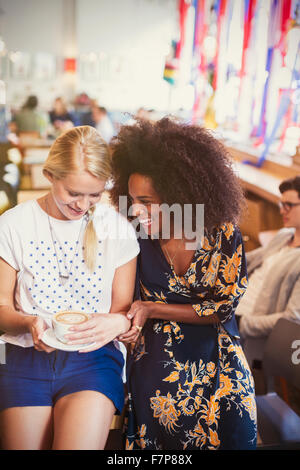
[(273, 26), (286, 24), (285, 17), (283, 108), (277, 21), (172, 61), (250, 6), (200, 31), (220, 8), (287, 121), (183, 9)]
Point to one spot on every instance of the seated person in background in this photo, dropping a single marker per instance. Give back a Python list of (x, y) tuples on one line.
[(274, 272), (82, 113), (59, 116), (29, 119), (103, 123)]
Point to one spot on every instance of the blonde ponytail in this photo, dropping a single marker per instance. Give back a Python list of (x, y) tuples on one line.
[(80, 148), (90, 242)]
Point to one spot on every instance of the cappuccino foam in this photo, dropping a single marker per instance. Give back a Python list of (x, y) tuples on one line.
[(71, 318)]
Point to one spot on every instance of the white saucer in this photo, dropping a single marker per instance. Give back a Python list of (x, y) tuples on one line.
[(50, 339)]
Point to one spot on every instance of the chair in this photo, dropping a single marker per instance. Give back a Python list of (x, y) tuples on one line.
[(278, 424)]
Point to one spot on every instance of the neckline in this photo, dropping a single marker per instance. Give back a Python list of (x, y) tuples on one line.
[(162, 254)]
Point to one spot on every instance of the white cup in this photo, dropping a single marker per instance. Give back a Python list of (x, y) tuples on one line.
[(63, 321)]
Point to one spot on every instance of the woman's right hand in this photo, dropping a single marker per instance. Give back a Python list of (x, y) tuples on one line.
[(37, 326), (138, 314)]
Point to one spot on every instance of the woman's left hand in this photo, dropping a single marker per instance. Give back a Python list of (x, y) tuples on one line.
[(99, 330), (139, 313)]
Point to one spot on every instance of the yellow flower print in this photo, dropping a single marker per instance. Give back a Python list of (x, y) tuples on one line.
[(211, 411), (241, 357), (211, 273), (172, 282), (224, 289), (204, 309), (214, 412), (198, 398), (129, 446), (230, 267), (206, 245), (186, 410), (142, 430), (142, 433), (211, 369), (198, 434), (165, 410), (226, 387), (195, 377), (250, 405), (213, 439), (173, 377), (228, 230), (145, 291), (235, 290)]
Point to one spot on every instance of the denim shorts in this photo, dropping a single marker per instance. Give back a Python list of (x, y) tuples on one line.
[(36, 378)]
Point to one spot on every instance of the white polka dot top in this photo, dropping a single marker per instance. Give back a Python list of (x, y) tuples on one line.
[(27, 245)]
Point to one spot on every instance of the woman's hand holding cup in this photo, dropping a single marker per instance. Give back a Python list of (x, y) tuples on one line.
[(37, 326), (99, 330)]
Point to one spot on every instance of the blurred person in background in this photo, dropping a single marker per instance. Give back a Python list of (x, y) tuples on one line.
[(274, 274), (30, 118), (83, 110), (103, 123), (59, 116)]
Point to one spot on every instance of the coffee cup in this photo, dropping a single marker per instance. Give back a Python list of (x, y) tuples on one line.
[(63, 321)]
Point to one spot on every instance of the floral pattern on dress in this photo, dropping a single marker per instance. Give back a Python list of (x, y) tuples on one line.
[(200, 392)]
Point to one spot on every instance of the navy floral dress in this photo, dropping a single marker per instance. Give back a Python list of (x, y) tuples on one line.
[(190, 386)]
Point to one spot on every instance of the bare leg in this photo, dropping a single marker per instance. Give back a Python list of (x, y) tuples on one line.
[(82, 421), (26, 428)]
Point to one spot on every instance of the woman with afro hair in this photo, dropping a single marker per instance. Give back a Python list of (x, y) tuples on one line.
[(189, 384)]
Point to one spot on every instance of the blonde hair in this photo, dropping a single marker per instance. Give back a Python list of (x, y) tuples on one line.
[(80, 148)]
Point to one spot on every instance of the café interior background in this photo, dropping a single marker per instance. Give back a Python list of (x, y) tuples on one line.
[(229, 64)]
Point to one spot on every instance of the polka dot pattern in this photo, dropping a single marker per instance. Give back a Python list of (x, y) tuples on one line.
[(82, 291)]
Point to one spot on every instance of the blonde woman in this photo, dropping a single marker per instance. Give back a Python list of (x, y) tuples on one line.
[(64, 252)]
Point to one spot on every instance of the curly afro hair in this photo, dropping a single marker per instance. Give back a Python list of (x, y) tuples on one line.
[(186, 164)]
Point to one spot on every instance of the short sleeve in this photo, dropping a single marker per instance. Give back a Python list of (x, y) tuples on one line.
[(10, 248), (112, 226), (230, 275), (128, 247)]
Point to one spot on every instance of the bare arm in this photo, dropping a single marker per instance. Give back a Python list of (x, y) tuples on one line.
[(10, 320), (123, 288), (141, 311), (180, 313)]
